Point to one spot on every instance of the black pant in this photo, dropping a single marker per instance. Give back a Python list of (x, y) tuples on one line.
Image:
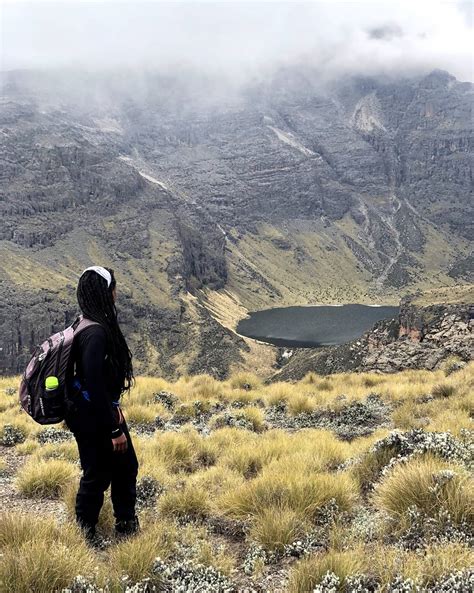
[(103, 467)]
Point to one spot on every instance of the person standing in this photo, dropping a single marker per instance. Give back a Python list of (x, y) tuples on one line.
[(100, 371)]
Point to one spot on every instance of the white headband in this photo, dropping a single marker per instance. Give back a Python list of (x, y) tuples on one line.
[(102, 271)]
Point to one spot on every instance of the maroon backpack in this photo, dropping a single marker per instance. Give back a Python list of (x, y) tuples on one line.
[(50, 359)]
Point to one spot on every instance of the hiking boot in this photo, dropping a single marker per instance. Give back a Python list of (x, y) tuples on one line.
[(91, 537), (126, 528)]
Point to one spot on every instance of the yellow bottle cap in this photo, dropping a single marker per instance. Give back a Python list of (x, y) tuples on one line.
[(52, 382)]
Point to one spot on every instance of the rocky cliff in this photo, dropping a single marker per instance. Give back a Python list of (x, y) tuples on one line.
[(282, 191)]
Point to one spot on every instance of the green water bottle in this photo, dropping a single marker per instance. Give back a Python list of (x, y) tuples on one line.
[(51, 383)]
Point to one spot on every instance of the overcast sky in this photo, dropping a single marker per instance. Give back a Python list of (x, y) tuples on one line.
[(240, 38)]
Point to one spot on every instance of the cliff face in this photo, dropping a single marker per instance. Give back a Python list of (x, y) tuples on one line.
[(281, 192), (421, 337)]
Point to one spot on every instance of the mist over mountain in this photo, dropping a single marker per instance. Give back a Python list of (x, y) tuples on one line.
[(211, 199), (226, 157)]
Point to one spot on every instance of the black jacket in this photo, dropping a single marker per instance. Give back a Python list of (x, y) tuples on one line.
[(96, 376)]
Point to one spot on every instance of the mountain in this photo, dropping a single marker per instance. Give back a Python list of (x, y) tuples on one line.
[(211, 199)]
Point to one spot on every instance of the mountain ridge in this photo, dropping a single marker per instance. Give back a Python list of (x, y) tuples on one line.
[(286, 195)]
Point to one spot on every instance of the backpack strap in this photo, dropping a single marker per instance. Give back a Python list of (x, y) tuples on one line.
[(81, 323)]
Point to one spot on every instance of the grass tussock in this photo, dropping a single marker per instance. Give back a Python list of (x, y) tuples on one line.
[(45, 478), (368, 469), (430, 485), (385, 563), (381, 564), (134, 557), (42, 567), (39, 555), (67, 451), (27, 447), (277, 526), (140, 414), (311, 571), (245, 381), (443, 390), (188, 502), (304, 494)]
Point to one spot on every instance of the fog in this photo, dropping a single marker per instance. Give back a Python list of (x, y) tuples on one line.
[(240, 40)]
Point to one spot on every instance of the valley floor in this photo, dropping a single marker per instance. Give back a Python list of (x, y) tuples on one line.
[(351, 482)]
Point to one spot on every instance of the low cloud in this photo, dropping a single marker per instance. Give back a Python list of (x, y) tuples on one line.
[(240, 39)]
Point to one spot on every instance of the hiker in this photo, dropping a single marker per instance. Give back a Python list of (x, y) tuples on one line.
[(103, 371)]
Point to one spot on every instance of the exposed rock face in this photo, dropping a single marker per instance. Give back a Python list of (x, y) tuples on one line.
[(463, 268), (204, 261), (421, 337), (281, 192)]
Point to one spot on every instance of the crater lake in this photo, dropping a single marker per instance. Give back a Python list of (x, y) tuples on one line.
[(313, 326)]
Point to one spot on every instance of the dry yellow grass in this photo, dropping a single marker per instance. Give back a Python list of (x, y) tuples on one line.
[(189, 501), (39, 555), (67, 451), (431, 485), (140, 414), (310, 572), (45, 478), (382, 563), (304, 494), (134, 557), (277, 526), (273, 480)]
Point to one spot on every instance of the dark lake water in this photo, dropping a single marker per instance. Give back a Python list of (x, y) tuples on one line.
[(309, 327)]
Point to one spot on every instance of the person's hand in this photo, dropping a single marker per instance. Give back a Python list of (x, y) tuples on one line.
[(120, 444)]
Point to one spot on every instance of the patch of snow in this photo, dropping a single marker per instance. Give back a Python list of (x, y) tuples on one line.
[(107, 124), (367, 114), (146, 176), (152, 179), (289, 139)]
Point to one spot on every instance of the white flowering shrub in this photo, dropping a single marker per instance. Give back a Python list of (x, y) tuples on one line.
[(148, 490), (441, 529), (53, 435), (166, 398), (353, 420), (256, 554), (330, 583), (460, 581), (441, 444), (82, 584), (186, 577), (11, 435)]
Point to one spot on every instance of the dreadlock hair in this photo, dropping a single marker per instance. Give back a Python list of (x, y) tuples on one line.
[(96, 302)]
